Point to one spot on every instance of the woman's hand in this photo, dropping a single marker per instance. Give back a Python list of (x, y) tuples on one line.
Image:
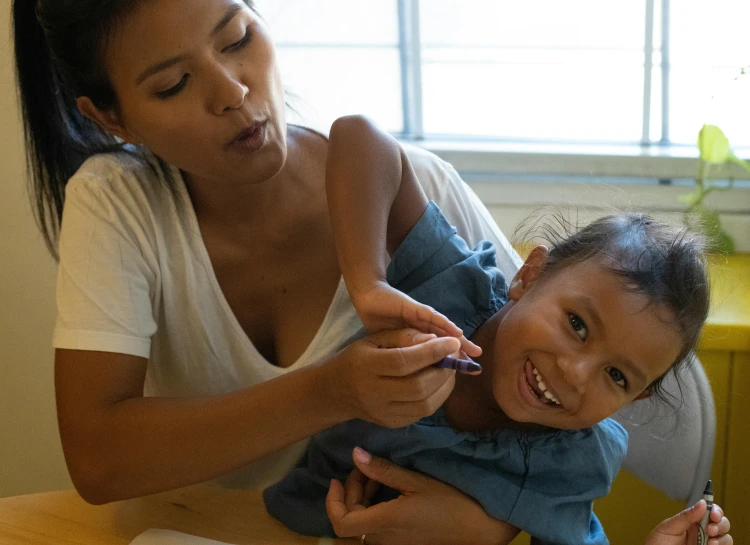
[(387, 378), (428, 512), (382, 307), (682, 529)]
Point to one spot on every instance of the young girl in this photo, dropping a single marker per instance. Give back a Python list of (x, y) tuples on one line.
[(582, 330)]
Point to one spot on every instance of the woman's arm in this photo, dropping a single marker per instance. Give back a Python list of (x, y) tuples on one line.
[(119, 444), (428, 511)]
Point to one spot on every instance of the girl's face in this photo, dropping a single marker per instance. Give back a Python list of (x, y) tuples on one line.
[(198, 83), (583, 337)]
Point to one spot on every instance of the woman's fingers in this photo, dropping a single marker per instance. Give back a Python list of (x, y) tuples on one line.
[(353, 523), (388, 378), (400, 361), (359, 490), (426, 318), (386, 472), (437, 393), (336, 503)]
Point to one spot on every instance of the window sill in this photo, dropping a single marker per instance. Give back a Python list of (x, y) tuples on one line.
[(515, 179), (616, 161)]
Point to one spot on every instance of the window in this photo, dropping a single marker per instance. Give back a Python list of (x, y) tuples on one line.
[(596, 72)]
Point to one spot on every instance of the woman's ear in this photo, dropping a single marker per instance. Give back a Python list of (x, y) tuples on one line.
[(107, 120), (529, 272)]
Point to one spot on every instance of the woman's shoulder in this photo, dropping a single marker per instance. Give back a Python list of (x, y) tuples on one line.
[(129, 178), (428, 167)]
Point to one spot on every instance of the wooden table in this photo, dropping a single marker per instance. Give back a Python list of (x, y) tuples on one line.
[(63, 518)]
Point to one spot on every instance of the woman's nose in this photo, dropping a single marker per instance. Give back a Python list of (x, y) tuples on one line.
[(229, 92)]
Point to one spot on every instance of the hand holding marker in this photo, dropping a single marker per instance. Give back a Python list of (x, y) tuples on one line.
[(708, 495)]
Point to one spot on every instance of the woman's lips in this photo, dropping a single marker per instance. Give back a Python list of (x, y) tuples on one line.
[(251, 139)]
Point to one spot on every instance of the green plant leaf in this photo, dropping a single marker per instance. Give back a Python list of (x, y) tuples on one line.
[(713, 145), (719, 240), (734, 159), (723, 243), (692, 198)]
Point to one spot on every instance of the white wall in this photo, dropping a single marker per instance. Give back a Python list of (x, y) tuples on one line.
[(30, 454)]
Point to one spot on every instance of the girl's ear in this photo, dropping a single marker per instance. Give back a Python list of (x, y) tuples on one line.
[(648, 392), (529, 272), (107, 120)]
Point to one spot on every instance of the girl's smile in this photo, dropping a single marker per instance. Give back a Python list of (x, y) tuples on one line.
[(539, 386), (569, 349)]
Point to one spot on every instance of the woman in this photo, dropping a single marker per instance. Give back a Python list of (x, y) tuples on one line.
[(196, 258)]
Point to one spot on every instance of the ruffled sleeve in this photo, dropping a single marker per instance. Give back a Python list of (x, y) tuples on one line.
[(563, 480), (435, 266)]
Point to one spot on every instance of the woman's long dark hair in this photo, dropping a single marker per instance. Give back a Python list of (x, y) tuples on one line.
[(60, 50)]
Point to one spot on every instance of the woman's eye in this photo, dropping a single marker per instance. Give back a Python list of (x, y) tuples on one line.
[(578, 325), (172, 91), (618, 378), (236, 46)]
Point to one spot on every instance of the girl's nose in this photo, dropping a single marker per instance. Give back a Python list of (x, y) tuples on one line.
[(577, 369)]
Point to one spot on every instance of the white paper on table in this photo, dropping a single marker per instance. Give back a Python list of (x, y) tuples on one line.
[(157, 536)]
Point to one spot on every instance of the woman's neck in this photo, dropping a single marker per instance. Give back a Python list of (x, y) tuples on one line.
[(246, 205)]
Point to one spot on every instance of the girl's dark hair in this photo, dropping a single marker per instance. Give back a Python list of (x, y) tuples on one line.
[(665, 263), (60, 50)]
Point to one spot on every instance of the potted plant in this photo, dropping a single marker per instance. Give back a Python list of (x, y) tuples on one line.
[(716, 156)]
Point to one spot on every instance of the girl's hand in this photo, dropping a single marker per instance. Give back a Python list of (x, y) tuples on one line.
[(382, 307), (387, 378), (682, 529), (428, 512)]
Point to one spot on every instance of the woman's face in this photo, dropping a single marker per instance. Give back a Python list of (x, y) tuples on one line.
[(198, 83), (593, 344)]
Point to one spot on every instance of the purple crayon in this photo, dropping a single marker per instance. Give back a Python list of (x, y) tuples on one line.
[(462, 366)]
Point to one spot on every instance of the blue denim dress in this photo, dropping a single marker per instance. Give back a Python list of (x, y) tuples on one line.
[(543, 482)]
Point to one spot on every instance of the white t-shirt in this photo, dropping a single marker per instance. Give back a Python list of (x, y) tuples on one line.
[(135, 278)]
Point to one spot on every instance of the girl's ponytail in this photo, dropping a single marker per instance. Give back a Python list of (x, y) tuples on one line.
[(58, 138)]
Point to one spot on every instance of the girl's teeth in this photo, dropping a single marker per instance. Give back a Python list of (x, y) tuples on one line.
[(543, 387)]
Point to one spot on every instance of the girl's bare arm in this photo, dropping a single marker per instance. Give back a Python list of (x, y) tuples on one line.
[(373, 196)]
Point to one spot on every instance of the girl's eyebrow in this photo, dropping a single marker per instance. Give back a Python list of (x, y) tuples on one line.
[(233, 10), (635, 370), (589, 305), (591, 309)]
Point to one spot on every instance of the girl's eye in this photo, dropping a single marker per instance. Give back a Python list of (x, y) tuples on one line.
[(172, 91), (578, 325), (236, 46), (618, 378)]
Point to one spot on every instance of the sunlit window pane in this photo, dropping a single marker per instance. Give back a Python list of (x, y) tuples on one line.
[(538, 69), (710, 43), (340, 22), (543, 70), (524, 101), (335, 82), (584, 24), (339, 57)]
